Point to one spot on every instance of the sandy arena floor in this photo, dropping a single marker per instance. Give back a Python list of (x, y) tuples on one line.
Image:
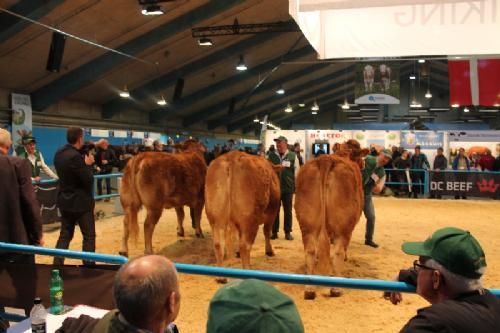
[(398, 220)]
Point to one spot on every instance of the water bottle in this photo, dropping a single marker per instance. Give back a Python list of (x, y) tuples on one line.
[(38, 316), (56, 293)]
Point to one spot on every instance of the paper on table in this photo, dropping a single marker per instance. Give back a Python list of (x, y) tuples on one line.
[(55, 321)]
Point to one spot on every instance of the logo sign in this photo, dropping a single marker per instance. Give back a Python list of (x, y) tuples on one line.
[(474, 184), (425, 139)]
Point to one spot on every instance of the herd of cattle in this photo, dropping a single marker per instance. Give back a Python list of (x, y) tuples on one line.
[(241, 192)]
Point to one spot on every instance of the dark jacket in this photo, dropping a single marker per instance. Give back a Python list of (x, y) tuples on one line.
[(418, 161), (496, 165), (477, 311), (440, 162), (455, 162), (75, 181), (20, 220), (108, 155), (400, 163)]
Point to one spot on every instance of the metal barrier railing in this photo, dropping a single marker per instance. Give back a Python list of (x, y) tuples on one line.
[(317, 280), (103, 176)]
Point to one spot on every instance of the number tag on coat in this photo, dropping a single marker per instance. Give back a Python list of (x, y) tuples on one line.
[(286, 164)]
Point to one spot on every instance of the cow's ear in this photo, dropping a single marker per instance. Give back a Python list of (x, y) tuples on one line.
[(364, 152)]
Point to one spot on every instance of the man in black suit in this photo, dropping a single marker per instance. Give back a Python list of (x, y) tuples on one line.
[(20, 220), (75, 198)]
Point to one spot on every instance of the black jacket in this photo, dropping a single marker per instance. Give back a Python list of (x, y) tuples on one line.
[(440, 162), (20, 220), (75, 181), (108, 155), (477, 311)]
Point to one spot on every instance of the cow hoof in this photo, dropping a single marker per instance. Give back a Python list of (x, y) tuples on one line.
[(308, 294), (199, 235), (123, 253), (270, 253), (180, 233), (237, 254), (221, 280), (335, 292)]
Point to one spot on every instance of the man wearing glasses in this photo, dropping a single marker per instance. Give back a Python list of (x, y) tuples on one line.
[(447, 274)]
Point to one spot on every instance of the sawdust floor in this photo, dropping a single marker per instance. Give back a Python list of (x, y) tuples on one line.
[(398, 220)]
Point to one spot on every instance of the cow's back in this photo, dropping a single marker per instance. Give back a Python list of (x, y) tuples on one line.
[(167, 180), (240, 186)]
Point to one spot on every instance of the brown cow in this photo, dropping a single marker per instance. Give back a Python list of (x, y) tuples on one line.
[(160, 181), (328, 204), (242, 191)]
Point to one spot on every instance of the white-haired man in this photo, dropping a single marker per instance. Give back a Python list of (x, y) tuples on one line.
[(447, 274)]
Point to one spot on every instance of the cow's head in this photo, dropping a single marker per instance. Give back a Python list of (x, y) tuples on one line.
[(191, 145), (352, 149)]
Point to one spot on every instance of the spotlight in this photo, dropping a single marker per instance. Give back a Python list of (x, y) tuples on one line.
[(421, 61), (241, 65), (346, 105), (161, 101), (302, 105), (280, 91), (466, 109), (152, 10), (124, 93), (256, 120), (413, 77), (204, 41), (455, 105), (288, 108), (415, 104), (428, 94), (315, 107), (314, 112)]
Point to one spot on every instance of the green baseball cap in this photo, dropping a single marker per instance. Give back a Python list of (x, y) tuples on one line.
[(387, 153), (28, 139), (456, 249), (252, 306), (280, 138)]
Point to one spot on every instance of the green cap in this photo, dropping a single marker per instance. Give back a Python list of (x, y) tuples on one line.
[(456, 249), (28, 139), (387, 153), (281, 138), (252, 306)]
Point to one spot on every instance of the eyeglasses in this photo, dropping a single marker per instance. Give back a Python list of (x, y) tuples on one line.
[(418, 266)]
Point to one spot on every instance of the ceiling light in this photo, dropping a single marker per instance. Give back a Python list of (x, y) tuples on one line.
[(315, 106), (496, 105), (345, 106), (124, 93), (161, 101), (466, 109), (302, 105), (256, 120), (488, 110), (280, 91), (152, 10), (415, 104), (413, 77), (428, 94), (421, 61), (204, 41), (314, 112), (241, 65), (455, 105), (288, 108)]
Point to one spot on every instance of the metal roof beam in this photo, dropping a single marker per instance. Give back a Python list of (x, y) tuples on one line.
[(86, 74)]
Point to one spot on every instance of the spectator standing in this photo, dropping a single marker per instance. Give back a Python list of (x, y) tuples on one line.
[(157, 146), (462, 166), (252, 306), (75, 198), (487, 161), (34, 156), (440, 164), (20, 220), (298, 152), (290, 167), (373, 181), (448, 275), (105, 159), (418, 162), (403, 164)]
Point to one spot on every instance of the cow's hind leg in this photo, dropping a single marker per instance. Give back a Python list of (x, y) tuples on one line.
[(247, 237), (218, 239), (129, 222), (152, 218), (124, 249), (197, 210), (267, 235), (180, 220), (311, 251), (339, 257)]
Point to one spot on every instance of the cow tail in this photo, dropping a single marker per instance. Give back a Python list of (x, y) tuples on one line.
[(325, 165), (130, 199)]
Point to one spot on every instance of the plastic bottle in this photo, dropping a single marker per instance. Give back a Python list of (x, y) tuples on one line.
[(56, 293), (38, 316)]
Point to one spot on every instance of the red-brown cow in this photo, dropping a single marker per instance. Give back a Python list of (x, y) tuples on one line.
[(160, 181), (242, 191), (328, 204)]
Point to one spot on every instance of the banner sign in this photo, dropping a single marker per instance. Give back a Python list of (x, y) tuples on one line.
[(473, 184), (424, 139), (373, 28), (379, 139), (21, 118), (474, 136), (46, 195), (377, 83)]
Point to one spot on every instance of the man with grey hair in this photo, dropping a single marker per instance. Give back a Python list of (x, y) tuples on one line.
[(447, 274), (146, 292)]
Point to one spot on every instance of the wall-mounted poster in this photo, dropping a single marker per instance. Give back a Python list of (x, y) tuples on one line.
[(379, 139), (424, 139), (377, 83), (330, 137), (21, 118)]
